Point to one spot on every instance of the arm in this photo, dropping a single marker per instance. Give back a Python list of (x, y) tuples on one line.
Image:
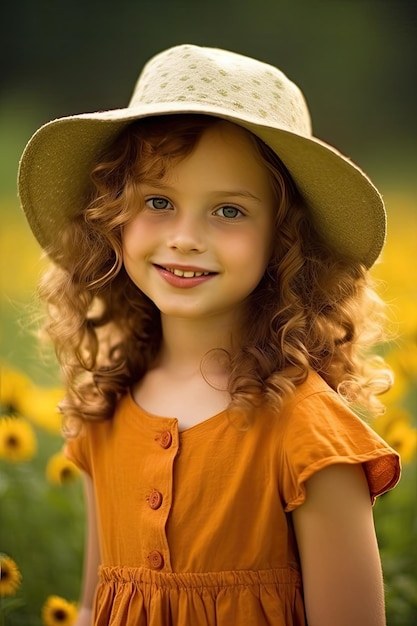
[(92, 558), (338, 549)]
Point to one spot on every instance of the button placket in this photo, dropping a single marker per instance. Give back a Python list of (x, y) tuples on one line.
[(159, 478)]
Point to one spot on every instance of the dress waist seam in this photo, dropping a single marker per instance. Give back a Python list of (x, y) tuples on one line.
[(233, 578)]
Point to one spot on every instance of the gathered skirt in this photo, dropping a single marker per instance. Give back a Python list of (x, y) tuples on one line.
[(143, 597)]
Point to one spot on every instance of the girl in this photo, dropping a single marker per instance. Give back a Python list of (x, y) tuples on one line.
[(210, 305)]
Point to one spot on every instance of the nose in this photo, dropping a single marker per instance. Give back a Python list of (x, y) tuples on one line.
[(187, 234)]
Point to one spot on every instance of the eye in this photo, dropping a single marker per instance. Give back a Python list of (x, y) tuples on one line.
[(158, 203), (230, 212)]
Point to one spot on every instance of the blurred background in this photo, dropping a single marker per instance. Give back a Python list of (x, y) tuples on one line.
[(356, 62)]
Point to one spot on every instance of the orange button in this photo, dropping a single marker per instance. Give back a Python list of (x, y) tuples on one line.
[(156, 560), (165, 439), (155, 499)]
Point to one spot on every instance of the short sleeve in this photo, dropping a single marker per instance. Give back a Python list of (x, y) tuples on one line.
[(76, 449), (321, 431)]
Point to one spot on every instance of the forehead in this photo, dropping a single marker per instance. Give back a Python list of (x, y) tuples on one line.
[(223, 150)]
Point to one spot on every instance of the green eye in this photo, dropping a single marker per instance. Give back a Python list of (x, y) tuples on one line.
[(229, 212)]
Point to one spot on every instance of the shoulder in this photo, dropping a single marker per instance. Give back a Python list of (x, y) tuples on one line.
[(313, 386), (96, 436), (312, 400), (319, 430)]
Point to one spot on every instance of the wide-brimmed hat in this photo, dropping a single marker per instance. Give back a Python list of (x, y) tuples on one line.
[(346, 208)]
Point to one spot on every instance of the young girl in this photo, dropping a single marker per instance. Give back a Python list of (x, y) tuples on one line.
[(210, 305)]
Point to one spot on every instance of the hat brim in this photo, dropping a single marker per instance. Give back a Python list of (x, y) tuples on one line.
[(54, 176)]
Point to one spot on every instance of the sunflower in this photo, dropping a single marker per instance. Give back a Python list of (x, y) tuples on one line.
[(403, 438), (396, 427), (19, 396), (10, 576), (58, 612), (17, 439), (60, 470), (13, 387), (40, 405)]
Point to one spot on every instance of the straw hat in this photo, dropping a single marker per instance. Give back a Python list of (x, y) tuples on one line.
[(346, 208)]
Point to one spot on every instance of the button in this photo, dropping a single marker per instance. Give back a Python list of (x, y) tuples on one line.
[(156, 560), (165, 439), (155, 499)]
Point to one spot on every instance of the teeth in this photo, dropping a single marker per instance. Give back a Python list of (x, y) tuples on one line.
[(186, 273)]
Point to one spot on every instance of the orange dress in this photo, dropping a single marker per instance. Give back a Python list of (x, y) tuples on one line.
[(195, 527)]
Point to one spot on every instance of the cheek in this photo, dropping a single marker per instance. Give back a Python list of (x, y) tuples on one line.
[(134, 236), (250, 257), (262, 245), (127, 233)]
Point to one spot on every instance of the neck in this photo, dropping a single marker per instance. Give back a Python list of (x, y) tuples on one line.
[(185, 342), (192, 369)]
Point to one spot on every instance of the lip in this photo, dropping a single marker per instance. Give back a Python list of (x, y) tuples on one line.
[(184, 268), (183, 282)]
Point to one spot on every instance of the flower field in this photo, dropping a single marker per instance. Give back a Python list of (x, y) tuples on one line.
[(41, 507)]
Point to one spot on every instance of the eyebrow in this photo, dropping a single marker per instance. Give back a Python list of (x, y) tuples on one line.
[(238, 193), (229, 193)]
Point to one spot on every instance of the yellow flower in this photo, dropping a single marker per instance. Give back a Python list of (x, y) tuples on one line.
[(60, 470), (58, 612), (403, 438), (17, 439), (40, 406), (395, 426), (19, 396), (10, 576), (13, 387)]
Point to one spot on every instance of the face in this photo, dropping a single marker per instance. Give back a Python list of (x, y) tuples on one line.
[(200, 243)]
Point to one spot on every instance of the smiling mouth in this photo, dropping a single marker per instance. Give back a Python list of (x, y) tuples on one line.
[(184, 273)]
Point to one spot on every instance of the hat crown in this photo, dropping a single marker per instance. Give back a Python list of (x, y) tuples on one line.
[(227, 82)]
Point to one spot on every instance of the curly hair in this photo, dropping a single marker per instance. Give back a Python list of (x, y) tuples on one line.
[(311, 309)]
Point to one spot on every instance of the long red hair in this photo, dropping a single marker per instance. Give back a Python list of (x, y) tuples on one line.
[(311, 310)]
